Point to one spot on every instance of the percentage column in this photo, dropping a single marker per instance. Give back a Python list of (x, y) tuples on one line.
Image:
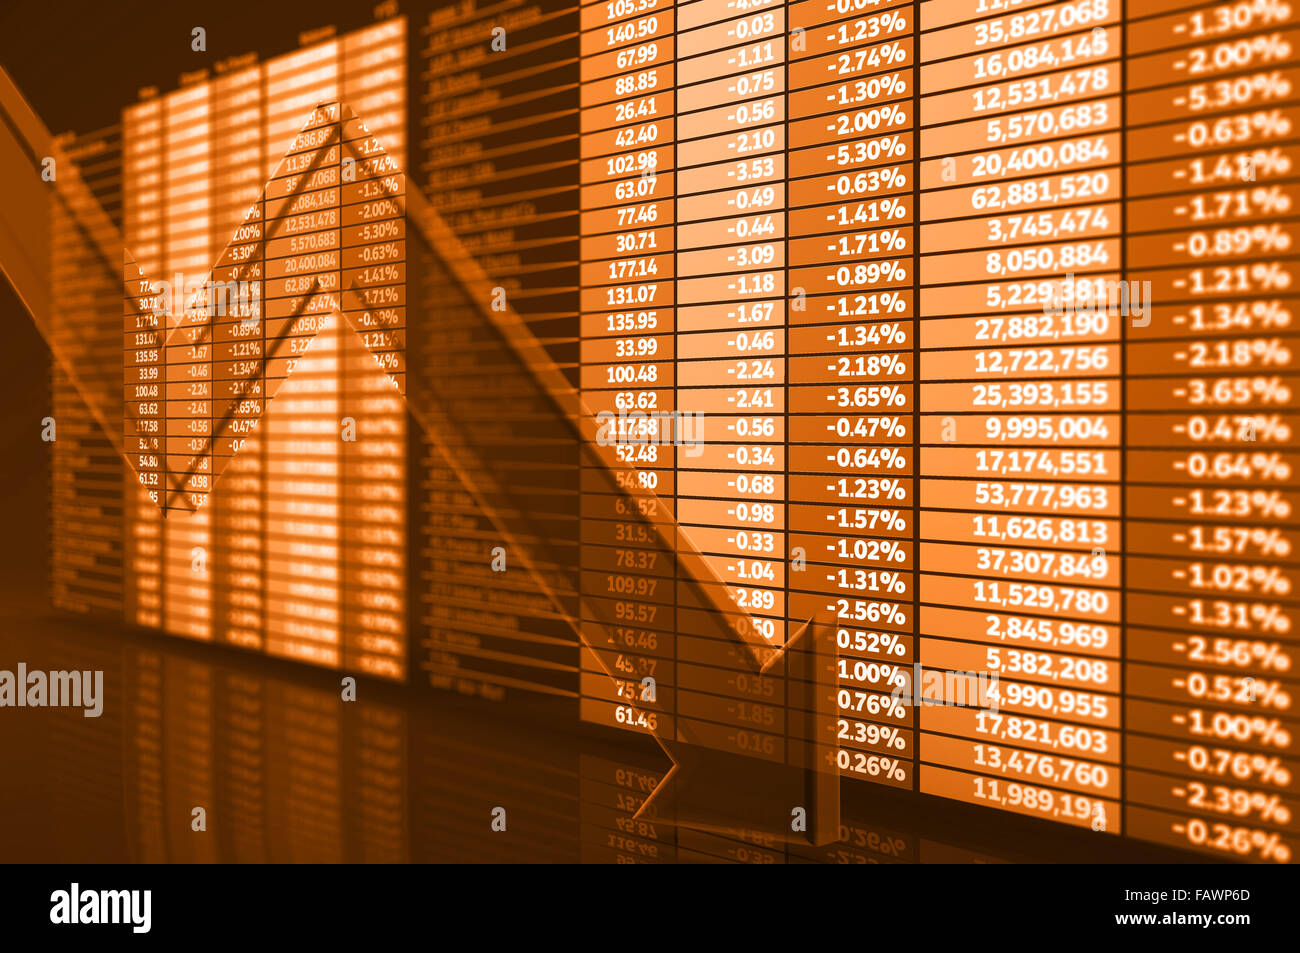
[(1210, 449), (851, 340)]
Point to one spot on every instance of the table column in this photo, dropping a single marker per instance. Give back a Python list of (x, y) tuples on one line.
[(144, 334), (852, 326), (627, 371), (238, 399), (302, 428), (188, 250), (1019, 401), (1210, 452), (730, 369), (373, 379), (236, 406)]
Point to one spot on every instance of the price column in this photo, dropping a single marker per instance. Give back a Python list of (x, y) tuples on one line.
[(1211, 450), (627, 370), (852, 462), (1019, 409)]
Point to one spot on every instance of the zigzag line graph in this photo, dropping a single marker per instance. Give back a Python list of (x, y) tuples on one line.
[(319, 175)]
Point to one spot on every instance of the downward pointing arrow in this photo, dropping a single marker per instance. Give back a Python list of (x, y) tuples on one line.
[(698, 799)]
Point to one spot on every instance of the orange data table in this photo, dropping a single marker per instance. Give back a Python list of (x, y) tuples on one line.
[(966, 327)]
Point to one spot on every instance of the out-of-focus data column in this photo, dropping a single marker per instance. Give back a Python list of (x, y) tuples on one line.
[(373, 367), (336, 438), (238, 392), (375, 281), (627, 372), (1019, 401), (144, 335), (1211, 156), (255, 205), (189, 245), (85, 471), (375, 275), (303, 381), (852, 466), (498, 164)]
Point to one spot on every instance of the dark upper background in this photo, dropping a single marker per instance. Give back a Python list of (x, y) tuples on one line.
[(79, 63)]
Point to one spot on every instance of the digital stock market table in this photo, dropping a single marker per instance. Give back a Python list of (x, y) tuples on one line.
[(753, 430)]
